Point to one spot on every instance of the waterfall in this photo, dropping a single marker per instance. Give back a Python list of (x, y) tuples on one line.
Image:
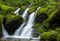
[(18, 31), (23, 31), (17, 11), (4, 31), (29, 25), (25, 13), (27, 31)]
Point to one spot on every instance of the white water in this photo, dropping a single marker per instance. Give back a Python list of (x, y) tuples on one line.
[(17, 11), (25, 13), (23, 31), (4, 31), (29, 25), (18, 31)]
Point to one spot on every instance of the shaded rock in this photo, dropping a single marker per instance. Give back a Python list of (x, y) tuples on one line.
[(12, 22), (40, 18)]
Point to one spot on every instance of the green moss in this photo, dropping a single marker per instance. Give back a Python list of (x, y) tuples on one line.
[(22, 9), (51, 35), (46, 22), (38, 28), (57, 29), (58, 37), (42, 10), (32, 9), (10, 18), (50, 9), (6, 9)]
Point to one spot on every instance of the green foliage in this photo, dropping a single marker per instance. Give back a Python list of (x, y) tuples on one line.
[(46, 22), (6, 9), (32, 9), (22, 9), (51, 35), (58, 37), (10, 18), (57, 29)]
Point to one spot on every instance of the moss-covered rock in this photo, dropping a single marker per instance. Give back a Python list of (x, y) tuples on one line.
[(1, 20), (12, 22), (32, 9), (42, 10), (23, 8), (48, 22), (57, 29), (6, 9), (58, 37), (49, 36)]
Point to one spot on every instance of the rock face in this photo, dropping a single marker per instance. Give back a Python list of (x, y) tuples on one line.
[(12, 22)]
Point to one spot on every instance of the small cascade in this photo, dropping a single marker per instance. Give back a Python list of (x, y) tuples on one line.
[(18, 31), (25, 13), (29, 25), (17, 11), (4, 31), (27, 31)]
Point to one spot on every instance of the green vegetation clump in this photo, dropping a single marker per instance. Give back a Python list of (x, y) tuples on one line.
[(23, 8), (49, 36), (32, 9), (57, 29), (12, 22), (6, 9)]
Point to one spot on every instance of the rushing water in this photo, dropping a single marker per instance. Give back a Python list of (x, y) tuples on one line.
[(23, 31), (17, 11), (18, 31), (4, 31)]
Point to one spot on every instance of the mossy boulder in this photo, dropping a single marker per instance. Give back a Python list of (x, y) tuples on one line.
[(23, 8), (49, 36), (32, 9), (12, 22), (58, 37), (49, 21), (1, 20), (6, 9), (57, 29), (42, 10)]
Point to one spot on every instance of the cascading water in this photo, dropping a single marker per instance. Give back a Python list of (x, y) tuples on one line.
[(29, 25), (17, 11), (18, 31), (4, 31), (23, 31)]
